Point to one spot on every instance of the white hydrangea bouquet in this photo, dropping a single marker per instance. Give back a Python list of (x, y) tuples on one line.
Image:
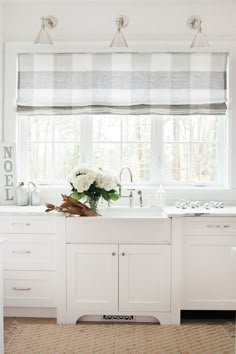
[(92, 184)]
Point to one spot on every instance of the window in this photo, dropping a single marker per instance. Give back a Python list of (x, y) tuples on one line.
[(192, 149), (158, 113), (172, 150)]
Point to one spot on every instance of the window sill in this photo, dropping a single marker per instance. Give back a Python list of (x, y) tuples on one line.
[(52, 194)]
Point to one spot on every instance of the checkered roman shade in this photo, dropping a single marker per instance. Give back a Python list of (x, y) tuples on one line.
[(122, 83)]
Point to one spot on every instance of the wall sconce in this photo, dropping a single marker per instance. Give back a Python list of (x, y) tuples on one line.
[(43, 37), (119, 39), (200, 40)]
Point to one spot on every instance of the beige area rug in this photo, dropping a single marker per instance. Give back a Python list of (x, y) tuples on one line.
[(49, 338)]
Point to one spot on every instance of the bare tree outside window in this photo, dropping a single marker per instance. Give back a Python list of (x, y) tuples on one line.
[(186, 148)]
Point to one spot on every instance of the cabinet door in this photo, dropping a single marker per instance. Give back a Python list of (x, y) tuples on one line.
[(92, 278), (209, 273), (144, 277)]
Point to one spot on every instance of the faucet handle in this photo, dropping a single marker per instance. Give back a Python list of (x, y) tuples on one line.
[(140, 193)]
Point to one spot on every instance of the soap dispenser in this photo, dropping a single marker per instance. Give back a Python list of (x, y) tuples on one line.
[(22, 195), (34, 194), (162, 196)]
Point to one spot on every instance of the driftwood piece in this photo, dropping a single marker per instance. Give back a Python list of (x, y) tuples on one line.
[(71, 206)]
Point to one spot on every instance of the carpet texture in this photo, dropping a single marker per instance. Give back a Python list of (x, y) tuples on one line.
[(49, 338)]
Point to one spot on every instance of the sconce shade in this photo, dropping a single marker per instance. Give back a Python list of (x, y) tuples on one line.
[(200, 41), (43, 37), (118, 40)]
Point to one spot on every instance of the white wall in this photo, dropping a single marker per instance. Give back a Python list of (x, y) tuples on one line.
[(149, 20), (1, 68)]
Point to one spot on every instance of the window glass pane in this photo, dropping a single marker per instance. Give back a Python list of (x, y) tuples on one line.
[(107, 156), (177, 129), (176, 158), (204, 162), (66, 157), (106, 128), (194, 162), (39, 162), (39, 128), (67, 128), (136, 128), (205, 128), (138, 158), (49, 147), (125, 153)]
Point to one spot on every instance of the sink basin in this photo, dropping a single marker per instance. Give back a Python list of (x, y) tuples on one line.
[(134, 212), (123, 225)]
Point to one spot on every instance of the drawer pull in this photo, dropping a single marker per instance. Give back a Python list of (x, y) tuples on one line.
[(219, 226), (21, 223), (21, 289), (123, 254), (113, 254), (21, 252)]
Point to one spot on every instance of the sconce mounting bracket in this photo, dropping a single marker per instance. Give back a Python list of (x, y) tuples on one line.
[(50, 22), (194, 22)]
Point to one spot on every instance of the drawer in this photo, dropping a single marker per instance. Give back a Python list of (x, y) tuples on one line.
[(215, 226), (30, 252), (27, 225), (29, 289)]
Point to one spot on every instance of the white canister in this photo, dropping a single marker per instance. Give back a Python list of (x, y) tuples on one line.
[(22, 195), (35, 197)]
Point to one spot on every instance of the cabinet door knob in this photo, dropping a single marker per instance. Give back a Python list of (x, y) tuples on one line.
[(123, 253), (113, 253)]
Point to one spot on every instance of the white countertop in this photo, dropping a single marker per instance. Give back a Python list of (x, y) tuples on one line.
[(173, 211), (170, 211), (22, 210)]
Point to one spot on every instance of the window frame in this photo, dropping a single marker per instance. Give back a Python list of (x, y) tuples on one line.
[(156, 142), (10, 120)]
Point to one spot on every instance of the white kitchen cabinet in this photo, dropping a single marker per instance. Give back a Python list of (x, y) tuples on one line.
[(144, 277), (107, 279), (209, 264), (29, 265), (1, 297), (92, 278), (29, 289), (30, 252)]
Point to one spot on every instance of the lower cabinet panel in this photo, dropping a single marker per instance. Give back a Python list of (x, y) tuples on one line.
[(92, 278), (209, 269), (144, 278), (29, 289)]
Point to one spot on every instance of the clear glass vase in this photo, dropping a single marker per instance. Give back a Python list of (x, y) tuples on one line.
[(93, 203)]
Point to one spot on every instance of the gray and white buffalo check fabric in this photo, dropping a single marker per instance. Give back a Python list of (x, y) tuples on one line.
[(122, 83)]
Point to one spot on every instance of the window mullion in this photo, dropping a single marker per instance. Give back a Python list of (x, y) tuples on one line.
[(53, 150), (22, 151), (220, 146), (156, 149), (86, 139)]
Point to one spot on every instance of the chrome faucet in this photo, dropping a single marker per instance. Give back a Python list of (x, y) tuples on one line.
[(130, 196)]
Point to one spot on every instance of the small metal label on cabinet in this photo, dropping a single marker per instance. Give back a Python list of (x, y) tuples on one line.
[(8, 173), (118, 318)]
